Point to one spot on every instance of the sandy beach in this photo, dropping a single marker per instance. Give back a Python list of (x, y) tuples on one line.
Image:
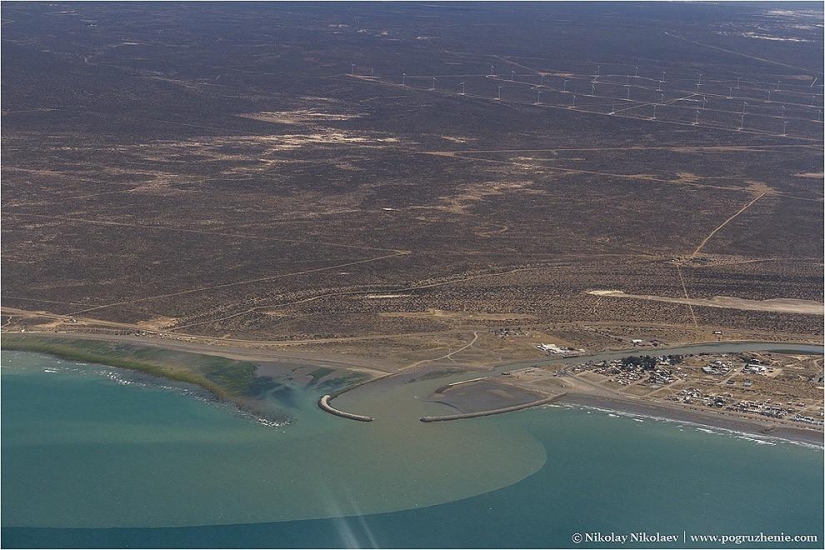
[(682, 413)]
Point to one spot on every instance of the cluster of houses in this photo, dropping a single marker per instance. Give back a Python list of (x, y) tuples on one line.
[(756, 368), (807, 419), (720, 368), (695, 397), (717, 367), (654, 372), (775, 410), (764, 408)]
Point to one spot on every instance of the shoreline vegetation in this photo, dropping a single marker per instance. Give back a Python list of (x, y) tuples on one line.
[(229, 380), (235, 380), (73, 352)]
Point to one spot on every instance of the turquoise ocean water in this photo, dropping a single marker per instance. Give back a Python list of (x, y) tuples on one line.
[(96, 457)]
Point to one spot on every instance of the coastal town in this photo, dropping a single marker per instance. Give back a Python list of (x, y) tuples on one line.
[(773, 387)]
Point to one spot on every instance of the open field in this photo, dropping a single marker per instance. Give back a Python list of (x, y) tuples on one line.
[(321, 179)]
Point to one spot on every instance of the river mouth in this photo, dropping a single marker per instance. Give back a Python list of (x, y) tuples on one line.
[(83, 450), (595, 460), (115, 455)]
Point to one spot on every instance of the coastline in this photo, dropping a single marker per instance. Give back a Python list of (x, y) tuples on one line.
[(720, 419), (42, 345), (223, 393), (696, 416), (229, 352)]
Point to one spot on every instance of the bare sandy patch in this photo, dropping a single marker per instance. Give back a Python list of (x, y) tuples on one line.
[(462, 315), (475, 192), (776, 305), (299, 116), (760, 188), (157, 323), (456, 139)]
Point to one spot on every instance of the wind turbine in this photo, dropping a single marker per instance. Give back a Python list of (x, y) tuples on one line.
[(372, 72), (777, 85), (492, 68), (704, 101), (654, 112), (564, 86), (730, 93), (696, 120), (738, 80), (538, 96), (499, 93), (744, 104), (593, 87), (352, 69), (742, 122), (434, 81), (628, 94), (784, 127), (663, 76), (574, 102), (462, 88), (403, 79), (637, 72), (612, 109)]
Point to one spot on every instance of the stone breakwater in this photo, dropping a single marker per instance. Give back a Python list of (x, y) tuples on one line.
[(323, 403), (492, 411)]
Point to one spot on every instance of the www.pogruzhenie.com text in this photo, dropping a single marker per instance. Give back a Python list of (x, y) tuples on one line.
[(642, 537)]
